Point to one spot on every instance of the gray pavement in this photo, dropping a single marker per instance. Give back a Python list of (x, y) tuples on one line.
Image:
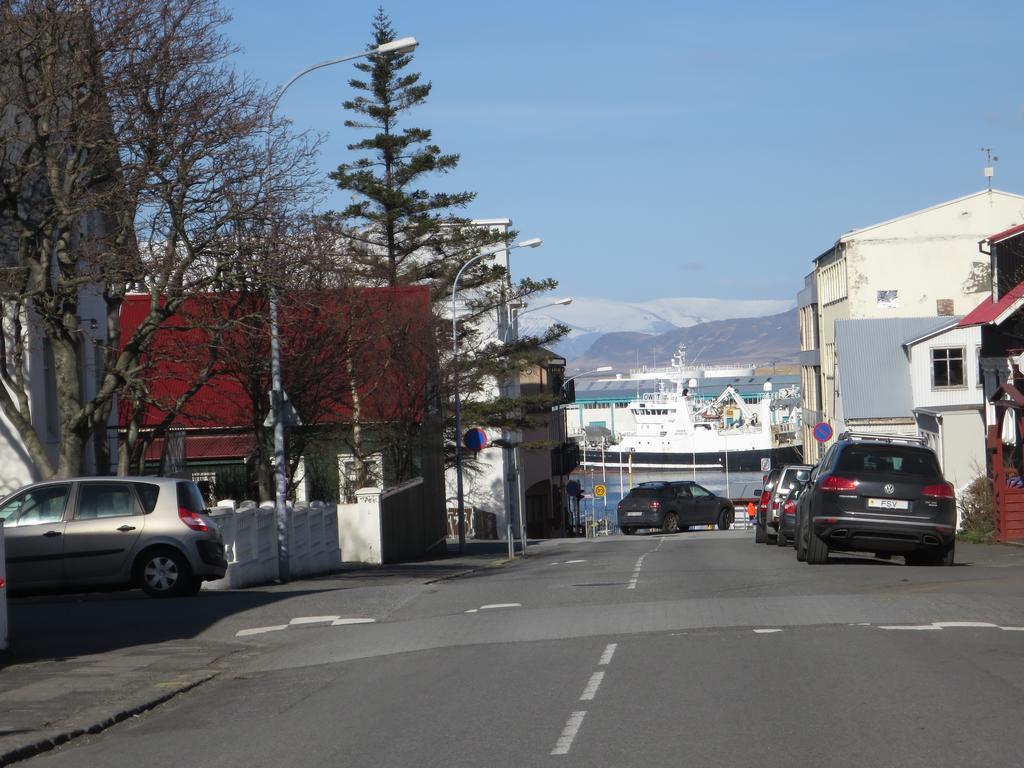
[(511, 660), (79, 663)]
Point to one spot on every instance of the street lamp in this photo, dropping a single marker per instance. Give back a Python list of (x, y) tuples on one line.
[(512, 467), (531, 243), (523, 311), (561, 423), (402, 45)]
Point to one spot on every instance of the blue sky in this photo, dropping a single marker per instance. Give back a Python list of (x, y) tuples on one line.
[(668, 149)]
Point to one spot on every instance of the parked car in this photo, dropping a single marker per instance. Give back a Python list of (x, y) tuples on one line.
[(671, 506), (761, 524), (150, 532), (777, 489), (879, 494), (793, 477), (787, 514)]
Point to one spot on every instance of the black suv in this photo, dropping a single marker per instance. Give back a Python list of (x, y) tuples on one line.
[(874, 493), (671, 506)]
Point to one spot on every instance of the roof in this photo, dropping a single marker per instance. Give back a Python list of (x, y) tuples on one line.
[(209, 447), (939, 410), (874, 372), (387, 331), (855, 233), (624, 389), (995, 312), (1006, 234), (945, 323)]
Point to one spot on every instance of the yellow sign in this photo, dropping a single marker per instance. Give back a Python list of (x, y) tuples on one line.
[(599, 491)]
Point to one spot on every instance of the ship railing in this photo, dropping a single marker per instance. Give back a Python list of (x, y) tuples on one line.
[(785, 427)]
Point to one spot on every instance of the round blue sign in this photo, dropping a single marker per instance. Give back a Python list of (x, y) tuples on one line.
[(475, 439), (822, 432)]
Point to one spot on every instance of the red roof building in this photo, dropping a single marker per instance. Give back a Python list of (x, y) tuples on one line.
[(382, 333)]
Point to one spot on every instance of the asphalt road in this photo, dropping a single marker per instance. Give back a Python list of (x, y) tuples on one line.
[(699, 649)]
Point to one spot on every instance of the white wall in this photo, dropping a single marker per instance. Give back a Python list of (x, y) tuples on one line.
[(928, 255), (927, 396)]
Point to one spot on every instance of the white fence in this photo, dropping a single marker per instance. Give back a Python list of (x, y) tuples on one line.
[(381, 527), (250, 543)]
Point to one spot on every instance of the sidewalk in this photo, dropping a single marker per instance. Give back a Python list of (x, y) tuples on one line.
[(81, 663)]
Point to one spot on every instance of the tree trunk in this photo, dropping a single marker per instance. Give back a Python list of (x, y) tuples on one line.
[(362, 473)]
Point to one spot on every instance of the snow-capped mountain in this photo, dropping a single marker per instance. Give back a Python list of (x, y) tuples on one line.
[(591, 318)]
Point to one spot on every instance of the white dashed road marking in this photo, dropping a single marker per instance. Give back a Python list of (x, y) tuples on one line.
[(314, 619), (303, 621), (260, 630), (570, 562), (767, 631), (609, 651), (592, 685), (572, 727), (939, 625), (500, 605)]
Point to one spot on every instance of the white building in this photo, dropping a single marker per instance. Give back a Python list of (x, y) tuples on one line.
[(949, 398), (915, 376), (923, 264)]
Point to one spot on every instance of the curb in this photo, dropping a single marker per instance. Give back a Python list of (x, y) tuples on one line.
[(52, 742), (467, 572)]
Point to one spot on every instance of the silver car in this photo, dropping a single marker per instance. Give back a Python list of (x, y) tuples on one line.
[(149, 532)]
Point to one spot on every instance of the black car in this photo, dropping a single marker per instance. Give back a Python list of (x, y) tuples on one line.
[(671, 506), (873, 493), (787, 509)]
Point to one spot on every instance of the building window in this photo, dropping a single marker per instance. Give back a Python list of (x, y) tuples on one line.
[(948, 367), (981, 371)]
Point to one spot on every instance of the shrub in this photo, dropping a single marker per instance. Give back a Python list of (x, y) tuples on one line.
[(978, 510)]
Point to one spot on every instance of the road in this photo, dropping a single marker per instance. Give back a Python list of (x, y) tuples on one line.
[(697, 649)]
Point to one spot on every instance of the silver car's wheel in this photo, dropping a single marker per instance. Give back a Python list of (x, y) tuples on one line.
[(164, 573)]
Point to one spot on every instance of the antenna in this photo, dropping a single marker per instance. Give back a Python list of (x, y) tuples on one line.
[(990, 170)]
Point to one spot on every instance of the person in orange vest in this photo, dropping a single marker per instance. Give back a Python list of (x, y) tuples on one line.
[(751, 510)]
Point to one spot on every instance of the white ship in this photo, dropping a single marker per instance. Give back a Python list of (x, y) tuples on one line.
[(675, 429)]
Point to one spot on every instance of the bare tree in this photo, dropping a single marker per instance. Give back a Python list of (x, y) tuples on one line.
[(133, 159)]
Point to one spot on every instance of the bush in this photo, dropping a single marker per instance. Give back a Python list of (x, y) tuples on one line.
[(978, 510)]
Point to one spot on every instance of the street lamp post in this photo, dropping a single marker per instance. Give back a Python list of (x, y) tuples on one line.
[(460, 499), (512, 465), (402, 45), (562, 430)]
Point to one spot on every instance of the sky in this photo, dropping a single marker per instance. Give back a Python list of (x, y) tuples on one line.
[(677, 149)]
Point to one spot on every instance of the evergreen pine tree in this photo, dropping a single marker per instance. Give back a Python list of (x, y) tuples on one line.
[(405, 234)]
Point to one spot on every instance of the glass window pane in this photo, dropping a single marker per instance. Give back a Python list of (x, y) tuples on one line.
[(101, 500), (37, 506)]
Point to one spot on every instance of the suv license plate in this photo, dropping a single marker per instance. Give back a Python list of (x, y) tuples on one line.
[(888, 504), (633, 514)]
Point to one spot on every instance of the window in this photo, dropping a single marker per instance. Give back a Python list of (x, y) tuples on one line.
[(888, 459), (35, 507), (948, 367), (100, 500), (148, 493), (699, 492), (981, 371)]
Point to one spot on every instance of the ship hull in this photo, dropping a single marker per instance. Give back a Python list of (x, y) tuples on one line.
[(735, 461)]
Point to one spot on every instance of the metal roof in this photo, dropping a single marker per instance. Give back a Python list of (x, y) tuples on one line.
[(997, 312), (593, 390), (874, 371)]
